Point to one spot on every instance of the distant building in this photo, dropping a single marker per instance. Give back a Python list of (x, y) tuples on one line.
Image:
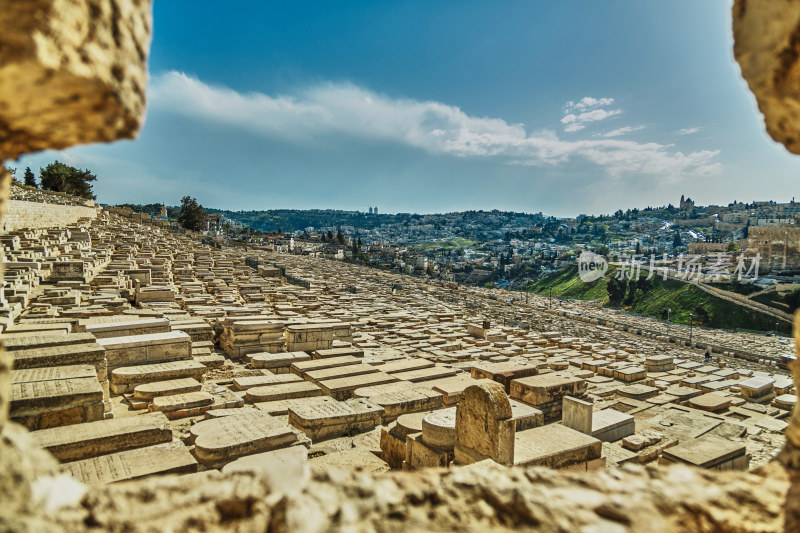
[(686, 203), (213, 222), (163, 211), (778, 246), (370, 210)]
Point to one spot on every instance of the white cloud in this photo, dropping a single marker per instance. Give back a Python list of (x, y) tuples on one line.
[(689, 131), (344, 110), (619, 131), (587, 102), (576, 122)]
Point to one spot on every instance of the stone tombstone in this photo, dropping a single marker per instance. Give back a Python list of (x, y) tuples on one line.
[(484, 425), (577, 414)]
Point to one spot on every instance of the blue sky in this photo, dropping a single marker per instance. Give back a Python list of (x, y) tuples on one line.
[(562, 107)]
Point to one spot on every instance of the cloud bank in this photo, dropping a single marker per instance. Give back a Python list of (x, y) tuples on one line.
[(341, 111)]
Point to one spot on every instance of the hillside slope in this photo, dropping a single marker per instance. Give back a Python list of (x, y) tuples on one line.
[(655, 299)]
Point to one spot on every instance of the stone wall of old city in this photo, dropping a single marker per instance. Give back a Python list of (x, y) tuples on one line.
[(779, 246)]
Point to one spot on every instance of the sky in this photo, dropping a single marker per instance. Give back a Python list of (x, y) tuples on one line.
[(567, 108)]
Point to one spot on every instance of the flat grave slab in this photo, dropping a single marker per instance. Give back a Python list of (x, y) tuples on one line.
[(609, 425), (638, 392), (525, 416), (708, 451), (315, 376), (342, 388), (81, 441), (405, 365), (220, 440), (338, 352), (453, 388), (406, 401), (321, 421), (148, 391), (27, 342), (503, 373), (352, 460), (71, 354), (248, 382), (301, 367), (277, 362), (184, 404), (710, 402), (46, 404), (426, 374), (128, 327), (283, 461), (168, 458), (281, 407), (554, 446), (147, 348), (683, 393), (53, 373), (128, 378), (283, 391)]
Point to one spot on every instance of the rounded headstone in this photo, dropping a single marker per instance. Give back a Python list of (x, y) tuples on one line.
[(439, 428), (410, 423)]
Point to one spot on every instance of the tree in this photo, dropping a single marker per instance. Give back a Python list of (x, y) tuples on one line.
[(30, 179), (676, 240), (733, 246), (64, 178), (339, 236), (191, 216)]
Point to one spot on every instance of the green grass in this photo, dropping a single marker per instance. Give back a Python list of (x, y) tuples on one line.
[(681, 298), (566, 284), (773, 299), (445, 245)]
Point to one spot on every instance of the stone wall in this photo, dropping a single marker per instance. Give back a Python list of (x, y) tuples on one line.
[(20, 214), (779, 247)]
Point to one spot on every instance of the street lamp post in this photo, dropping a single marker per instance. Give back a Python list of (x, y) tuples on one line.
[(551, 298), (669, 312), (691, 327)]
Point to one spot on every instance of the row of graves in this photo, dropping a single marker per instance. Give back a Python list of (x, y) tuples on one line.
[(176, 357)]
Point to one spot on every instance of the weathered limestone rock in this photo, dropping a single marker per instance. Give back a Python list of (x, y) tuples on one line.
[(768, 51), (484, 425), (71, 72)]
